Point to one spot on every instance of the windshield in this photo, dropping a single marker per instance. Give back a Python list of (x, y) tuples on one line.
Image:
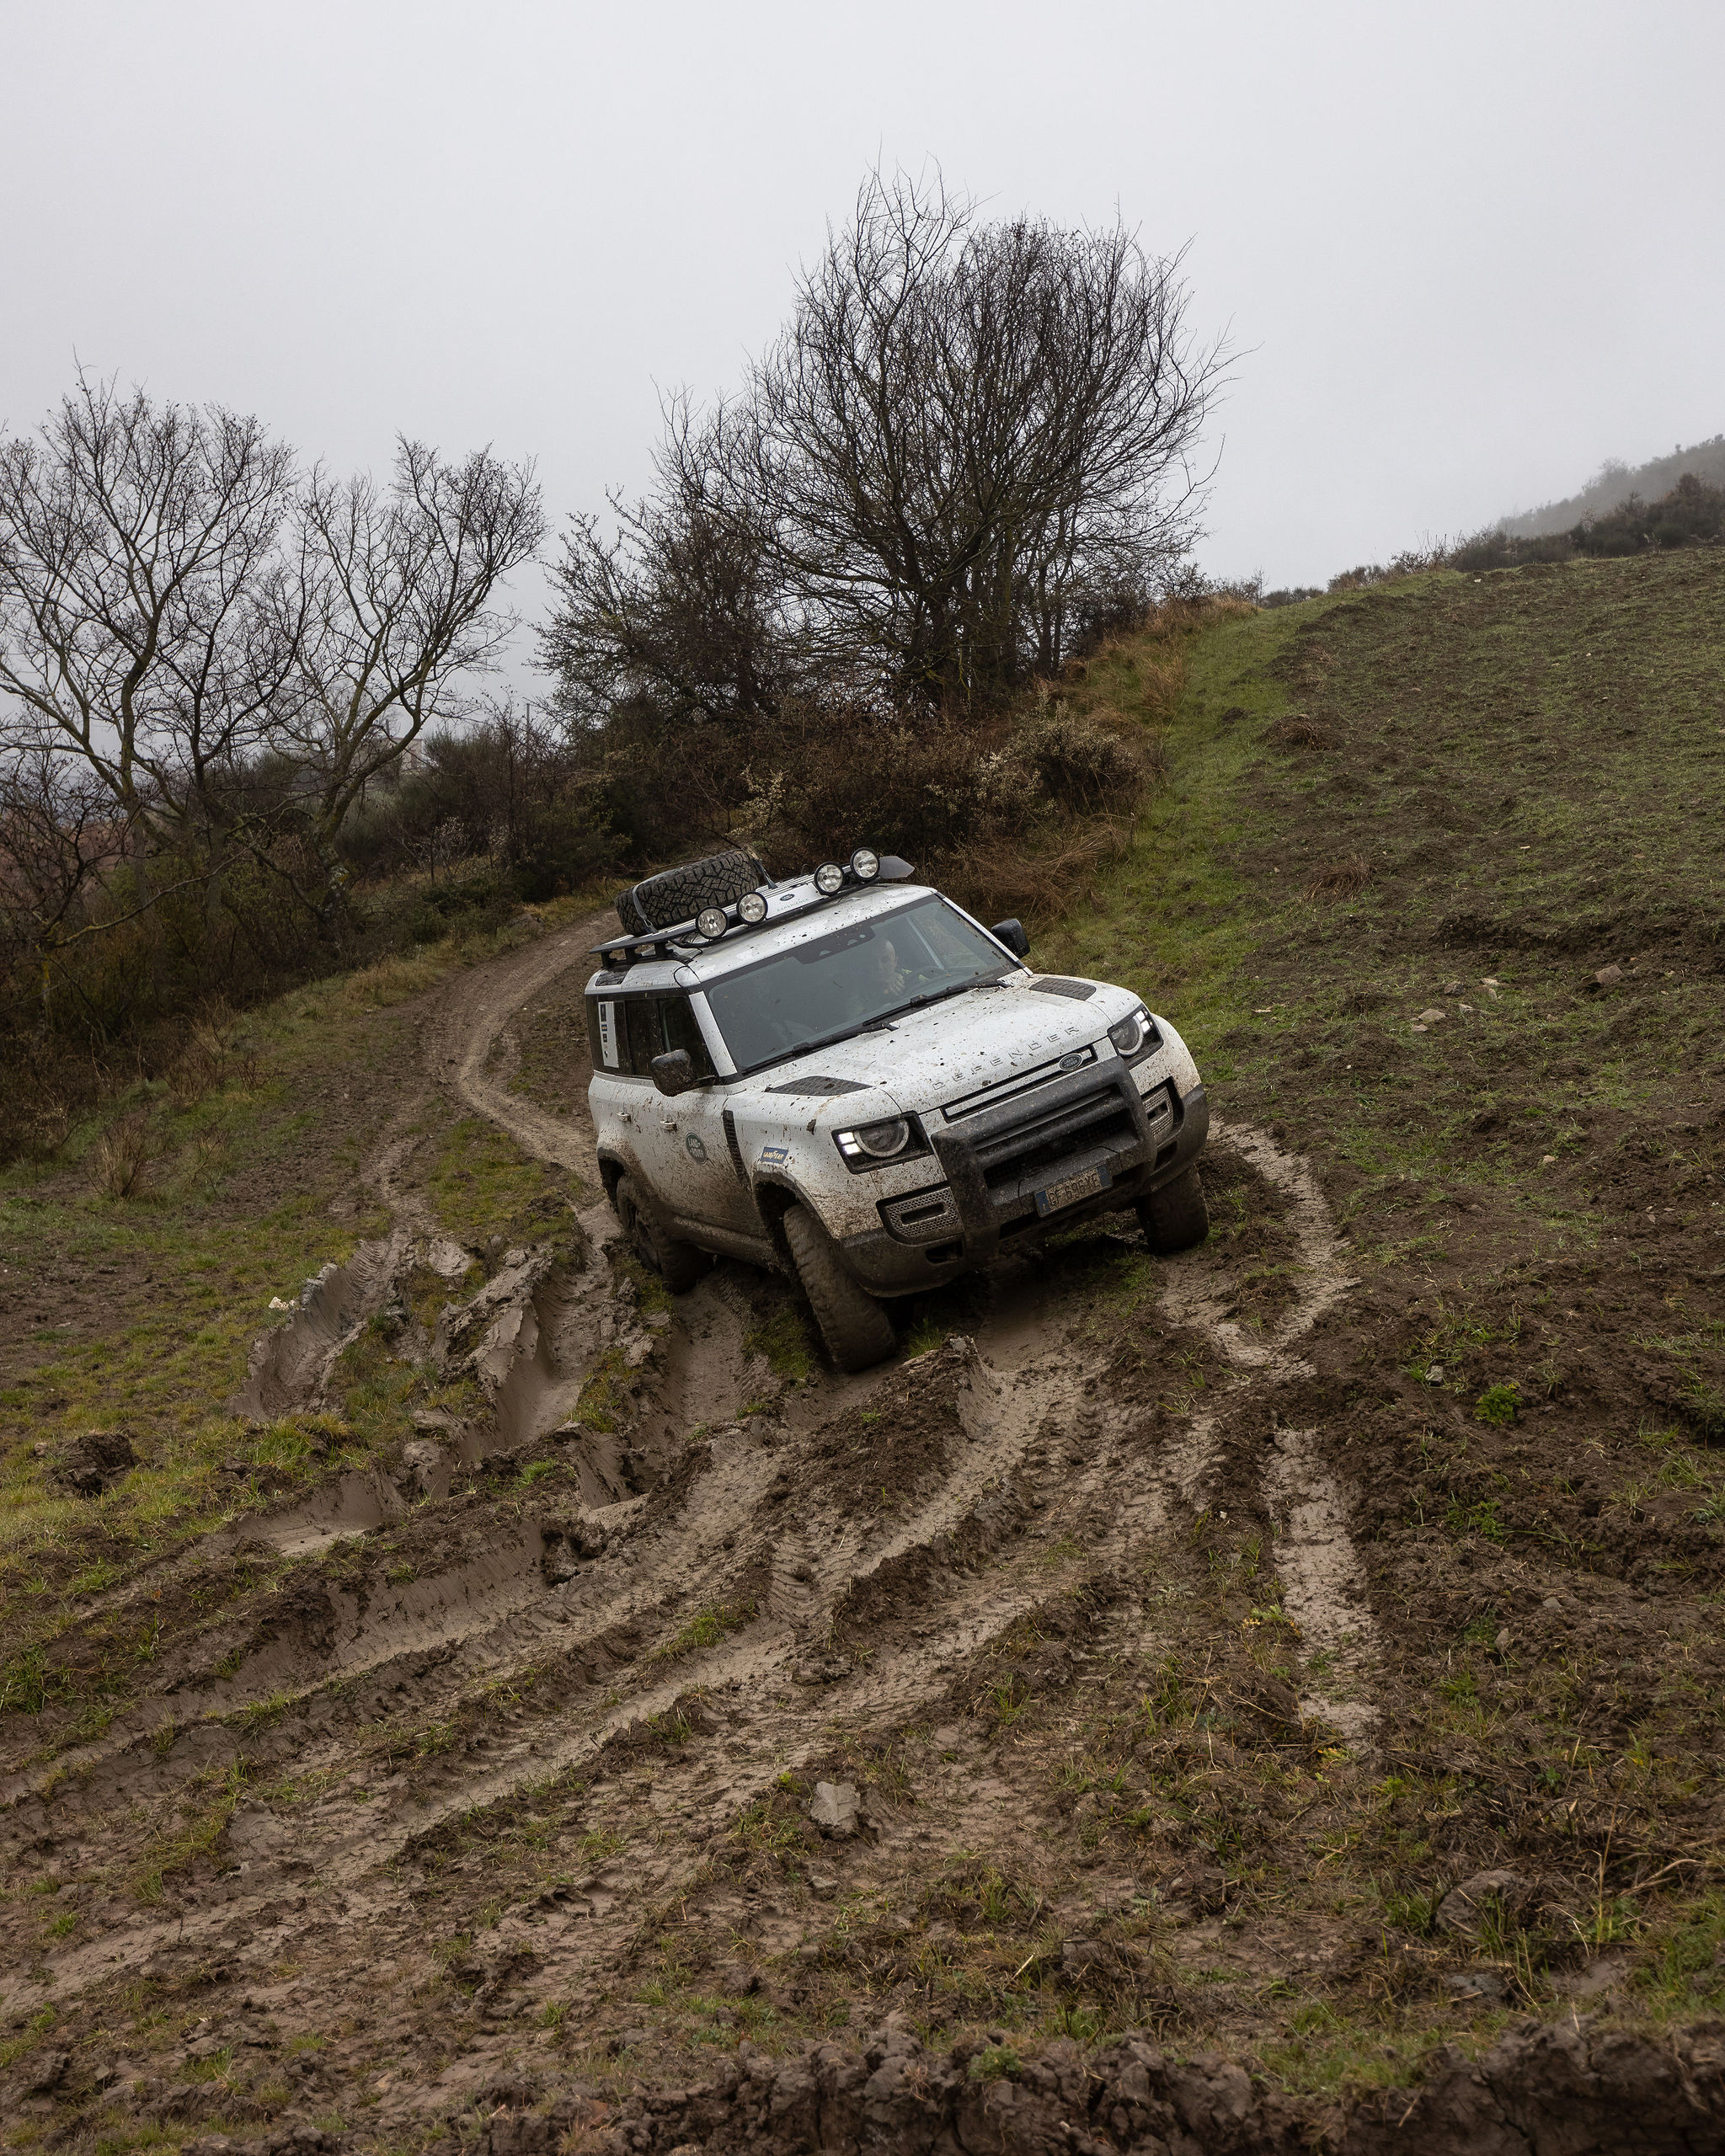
[(838, 984)]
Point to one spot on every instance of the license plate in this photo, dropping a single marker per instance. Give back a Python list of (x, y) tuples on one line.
[(1058, 1194)]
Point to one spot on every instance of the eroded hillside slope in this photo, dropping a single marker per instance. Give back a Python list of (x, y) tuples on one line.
[(1250, 1688)]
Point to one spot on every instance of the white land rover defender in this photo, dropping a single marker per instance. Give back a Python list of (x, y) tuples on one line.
[(845, 1077)]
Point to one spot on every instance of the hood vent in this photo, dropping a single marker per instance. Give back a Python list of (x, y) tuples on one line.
[(819, 1085)]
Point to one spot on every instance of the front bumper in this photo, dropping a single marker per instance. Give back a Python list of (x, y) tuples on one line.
[(994, 1163)]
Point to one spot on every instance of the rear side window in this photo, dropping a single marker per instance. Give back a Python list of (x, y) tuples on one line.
[(625, 1032)]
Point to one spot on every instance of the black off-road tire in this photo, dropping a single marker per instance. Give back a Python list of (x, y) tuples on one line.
[(854, 1324), (677, 895), (1176, 1217), (679, 1264)]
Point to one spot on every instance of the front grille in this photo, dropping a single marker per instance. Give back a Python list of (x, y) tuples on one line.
[(1101, 1120), (1012, 1089)]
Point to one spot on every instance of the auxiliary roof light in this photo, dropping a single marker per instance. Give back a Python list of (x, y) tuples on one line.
[(828, 878), (712, 923), (752, 908), (865, 864)]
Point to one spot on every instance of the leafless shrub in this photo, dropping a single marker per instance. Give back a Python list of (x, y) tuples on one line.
[(1087, 762), (1341, 880), (51, 1123), (210, 1057), (119, 1162)]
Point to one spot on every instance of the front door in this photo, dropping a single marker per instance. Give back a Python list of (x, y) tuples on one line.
[(683, 1143)]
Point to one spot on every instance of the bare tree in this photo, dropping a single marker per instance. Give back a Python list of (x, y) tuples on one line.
[(682, 604), (401, 582), (216, 646), (149, 618), (966, 425), (968, 437)]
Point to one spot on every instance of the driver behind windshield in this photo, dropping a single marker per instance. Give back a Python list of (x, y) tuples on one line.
[(883, 978)]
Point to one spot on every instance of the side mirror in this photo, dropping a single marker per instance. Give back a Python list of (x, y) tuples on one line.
[(1011, 934), (673, 1072)]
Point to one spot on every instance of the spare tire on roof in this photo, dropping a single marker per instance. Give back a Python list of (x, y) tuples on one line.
[(667, 900)]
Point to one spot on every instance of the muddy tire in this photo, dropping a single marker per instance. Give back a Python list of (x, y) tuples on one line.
[(679, 1265), (1175, 1217), (679, 894), (857, 1331)]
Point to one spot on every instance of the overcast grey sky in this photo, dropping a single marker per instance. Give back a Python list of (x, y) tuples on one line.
[(1465, 251)]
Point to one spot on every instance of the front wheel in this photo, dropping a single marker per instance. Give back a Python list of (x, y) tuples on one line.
[(1175, 1218), (679, 1264), (857, 1331)]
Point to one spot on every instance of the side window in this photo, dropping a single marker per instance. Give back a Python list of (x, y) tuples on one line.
[(676, 1019), (626, 1033), (642, 1016)]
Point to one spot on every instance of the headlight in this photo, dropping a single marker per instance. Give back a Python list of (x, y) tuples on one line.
[(1131, 1032), (875, 1141), (828, 878), (751, 907), (865, 864), (711, 922)]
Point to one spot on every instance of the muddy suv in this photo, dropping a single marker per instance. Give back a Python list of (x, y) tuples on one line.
[(843, 1076)]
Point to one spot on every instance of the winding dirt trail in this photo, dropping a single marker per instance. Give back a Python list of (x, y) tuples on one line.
[(820, 1572)]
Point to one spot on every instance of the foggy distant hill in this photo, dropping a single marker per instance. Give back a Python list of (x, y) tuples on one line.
[(1617, 481)]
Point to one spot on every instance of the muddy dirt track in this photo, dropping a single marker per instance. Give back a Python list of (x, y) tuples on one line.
[(491, 1777)]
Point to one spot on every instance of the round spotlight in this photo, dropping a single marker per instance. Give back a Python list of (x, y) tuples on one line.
[(712, 923), (751, 907), (865, 864), (828, 878)]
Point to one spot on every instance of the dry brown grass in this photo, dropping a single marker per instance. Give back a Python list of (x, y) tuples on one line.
[(1341, 879), (1297, 731), (391, 980), (1034, 886), (119, 1162)]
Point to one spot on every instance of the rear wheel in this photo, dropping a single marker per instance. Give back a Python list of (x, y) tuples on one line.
[(1175, 1218), (857, 1331), (679, 1264)]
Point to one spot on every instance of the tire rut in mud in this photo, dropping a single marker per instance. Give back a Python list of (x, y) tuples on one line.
[(724, 1595)]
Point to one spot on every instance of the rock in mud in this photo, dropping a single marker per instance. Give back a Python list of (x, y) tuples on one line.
[(837, 1810), (1464, 1906), (1608, 976), (422, 1459), (92, 1463), (51, 2069), (822, 1669)]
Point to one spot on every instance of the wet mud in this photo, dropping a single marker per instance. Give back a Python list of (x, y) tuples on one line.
[(472, 1800)]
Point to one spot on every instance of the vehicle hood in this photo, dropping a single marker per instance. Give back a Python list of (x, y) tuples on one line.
[(953, 1049)]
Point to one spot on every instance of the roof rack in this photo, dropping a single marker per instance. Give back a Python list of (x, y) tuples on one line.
[(714, 924)]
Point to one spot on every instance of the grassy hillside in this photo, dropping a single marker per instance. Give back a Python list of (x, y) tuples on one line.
[(134, 1312), (1433, 885), (1436, 891)]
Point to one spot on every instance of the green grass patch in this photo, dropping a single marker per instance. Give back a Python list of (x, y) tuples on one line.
[(785, 1344), (708, 1627), (483, 1184)]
